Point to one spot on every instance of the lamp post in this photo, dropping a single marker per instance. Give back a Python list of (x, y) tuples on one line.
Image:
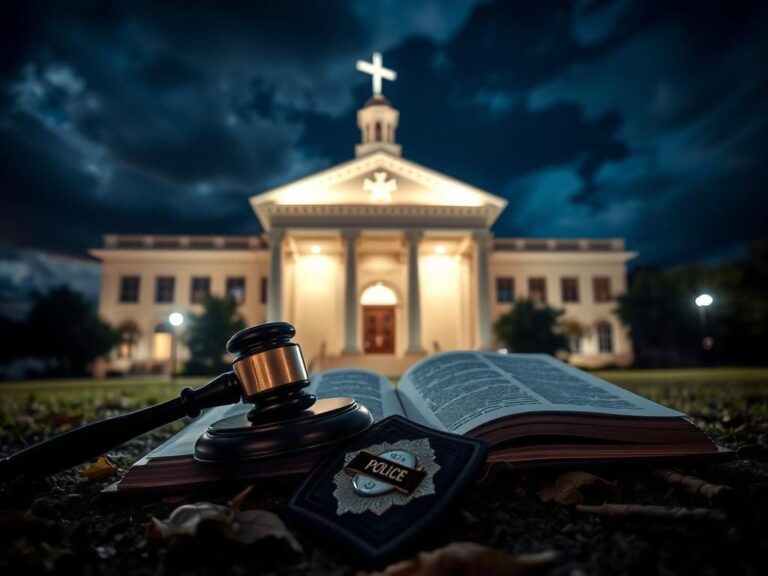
[(175, 319), (704, 301)]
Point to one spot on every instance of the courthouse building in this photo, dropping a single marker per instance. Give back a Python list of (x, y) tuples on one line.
[(377, 261)]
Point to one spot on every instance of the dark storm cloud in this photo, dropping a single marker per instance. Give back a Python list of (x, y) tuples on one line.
[(592, 118)]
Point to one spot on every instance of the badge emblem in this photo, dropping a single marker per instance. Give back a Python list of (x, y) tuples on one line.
[(384, 475)]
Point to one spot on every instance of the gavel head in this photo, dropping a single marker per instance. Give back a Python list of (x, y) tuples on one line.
[(271, 371)]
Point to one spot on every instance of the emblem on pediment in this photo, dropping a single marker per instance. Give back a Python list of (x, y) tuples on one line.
[(380, 188)]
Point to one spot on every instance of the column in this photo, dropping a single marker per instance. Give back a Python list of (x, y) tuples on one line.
[(414, 294), (482, 239), (275, 290), (350, 296)]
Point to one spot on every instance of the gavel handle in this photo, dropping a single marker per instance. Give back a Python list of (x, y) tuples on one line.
[(87, 442)]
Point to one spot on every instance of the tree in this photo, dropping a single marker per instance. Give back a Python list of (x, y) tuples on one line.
[(128, 333), (662, 319), (63, 327), (531, 327), (208, 333), (13, 336)]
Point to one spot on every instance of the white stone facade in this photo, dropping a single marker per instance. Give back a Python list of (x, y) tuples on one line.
[(376, 261)]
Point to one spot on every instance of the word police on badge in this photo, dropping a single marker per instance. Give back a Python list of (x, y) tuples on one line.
[(393, 470), (384, 475)]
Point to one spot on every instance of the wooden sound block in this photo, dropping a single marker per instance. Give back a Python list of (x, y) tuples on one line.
[(327, 422)]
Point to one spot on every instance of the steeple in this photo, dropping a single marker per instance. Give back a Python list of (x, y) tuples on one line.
[(377, 119)]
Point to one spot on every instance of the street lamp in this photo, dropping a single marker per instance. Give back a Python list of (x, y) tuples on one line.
[(175, 319), (704, 301)]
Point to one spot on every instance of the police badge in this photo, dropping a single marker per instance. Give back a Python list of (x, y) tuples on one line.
[(385, 475), (389, 484)]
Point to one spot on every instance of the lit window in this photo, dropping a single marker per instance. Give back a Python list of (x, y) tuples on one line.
[(129, 289), (601, 286), (200, 289), (236, 289), (505, 289), (604, 338), (537, 290), (570, 289), (164, 288)]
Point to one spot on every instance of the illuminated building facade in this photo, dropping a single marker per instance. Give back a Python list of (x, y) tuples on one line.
[(377, 261)]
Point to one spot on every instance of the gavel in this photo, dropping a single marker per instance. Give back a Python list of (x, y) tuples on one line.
[(268, 372)]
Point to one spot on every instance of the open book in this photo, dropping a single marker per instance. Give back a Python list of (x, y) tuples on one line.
[(531, 409)]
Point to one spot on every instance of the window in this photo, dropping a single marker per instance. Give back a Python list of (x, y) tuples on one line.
[(129, 289), (505, 289), (164, 288), (200, 289), (574, 343), (601, 287), (537, 289), (604, 338), (129, 334), (264, 289), (377, 137), (236, 289), (570, 289)]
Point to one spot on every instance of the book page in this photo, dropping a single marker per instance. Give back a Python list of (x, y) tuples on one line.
[(183, 442), (459, 391), (370, 389)]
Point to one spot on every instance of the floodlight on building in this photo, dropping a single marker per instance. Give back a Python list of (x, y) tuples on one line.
[(440, 249), (704, 300), (315, 249), (176, 319)]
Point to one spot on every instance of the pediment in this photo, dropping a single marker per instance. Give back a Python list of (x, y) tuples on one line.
[(379, 184)]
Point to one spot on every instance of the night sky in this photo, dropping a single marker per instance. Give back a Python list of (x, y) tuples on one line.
[(645, 120)]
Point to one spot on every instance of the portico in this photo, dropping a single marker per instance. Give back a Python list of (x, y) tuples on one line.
[(359, 292)]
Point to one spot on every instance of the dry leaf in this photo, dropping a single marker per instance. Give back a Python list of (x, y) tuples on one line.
[(244, 527), (469, 559), (575, 487), (237, 500), (185, 520), (253, 525), (64, 421), (102, 468)]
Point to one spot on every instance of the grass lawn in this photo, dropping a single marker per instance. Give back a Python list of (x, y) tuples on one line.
[(711, 395), (660, 385), (65, 525)]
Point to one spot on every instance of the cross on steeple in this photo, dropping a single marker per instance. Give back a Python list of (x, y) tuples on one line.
[(377, 72)]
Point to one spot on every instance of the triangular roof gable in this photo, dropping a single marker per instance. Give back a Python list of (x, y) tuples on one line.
[(343, 184)]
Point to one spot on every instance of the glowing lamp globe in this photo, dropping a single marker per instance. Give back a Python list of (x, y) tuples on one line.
[(176, 319), (704, 300)]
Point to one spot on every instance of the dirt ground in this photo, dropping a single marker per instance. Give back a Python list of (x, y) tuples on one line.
[(65, 525)]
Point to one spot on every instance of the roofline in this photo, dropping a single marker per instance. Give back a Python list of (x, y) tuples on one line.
[(265, 196)]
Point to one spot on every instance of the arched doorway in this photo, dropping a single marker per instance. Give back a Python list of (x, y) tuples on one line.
[(378, 302)]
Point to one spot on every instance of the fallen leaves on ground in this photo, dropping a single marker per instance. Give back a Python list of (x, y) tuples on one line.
[(653, 512), (101, 468), (245, 527), (576, 487), (469, 559)]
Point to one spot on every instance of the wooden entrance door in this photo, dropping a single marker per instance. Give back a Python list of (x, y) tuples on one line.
[(379, 329)]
